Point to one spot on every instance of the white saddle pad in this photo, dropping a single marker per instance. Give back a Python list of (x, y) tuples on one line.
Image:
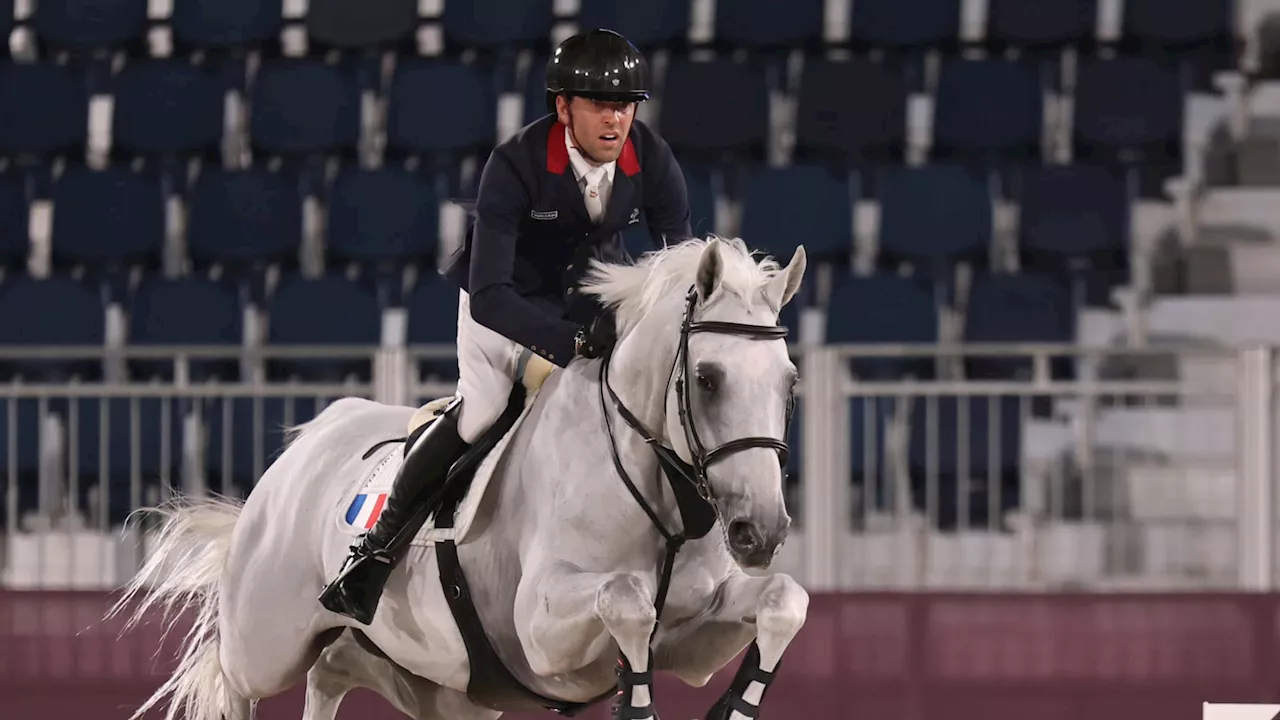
[(362, 506)]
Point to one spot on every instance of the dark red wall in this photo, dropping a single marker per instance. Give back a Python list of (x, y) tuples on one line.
[(874, 656)]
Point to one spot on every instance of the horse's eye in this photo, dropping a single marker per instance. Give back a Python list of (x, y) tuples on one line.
[(706, 383)]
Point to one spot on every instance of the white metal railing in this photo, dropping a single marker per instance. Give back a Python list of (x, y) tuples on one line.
[(1099, 479)]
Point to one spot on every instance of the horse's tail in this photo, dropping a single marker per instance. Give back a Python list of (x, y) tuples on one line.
[(185, 570)]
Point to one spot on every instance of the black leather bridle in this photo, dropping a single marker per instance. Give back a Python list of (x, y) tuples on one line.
[(689, 481)]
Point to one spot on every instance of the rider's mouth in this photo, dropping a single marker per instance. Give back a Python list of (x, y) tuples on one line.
[(609, 137)]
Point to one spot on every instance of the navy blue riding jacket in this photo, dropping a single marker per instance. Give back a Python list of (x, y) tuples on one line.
[(531, 239)]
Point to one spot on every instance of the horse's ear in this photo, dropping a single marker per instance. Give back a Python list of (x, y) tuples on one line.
[(784, 285), (709, 269)]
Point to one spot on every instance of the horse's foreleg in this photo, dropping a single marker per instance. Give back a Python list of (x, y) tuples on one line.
[(575, 615), (781, 608), (772, 609)]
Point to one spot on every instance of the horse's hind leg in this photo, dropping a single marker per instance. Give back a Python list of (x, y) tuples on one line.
[(345, 665), (240, 708)]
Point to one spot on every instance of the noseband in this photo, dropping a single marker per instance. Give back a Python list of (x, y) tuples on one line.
[(689, 481)]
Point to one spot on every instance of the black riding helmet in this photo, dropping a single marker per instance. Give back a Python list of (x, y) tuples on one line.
[(600, 65)]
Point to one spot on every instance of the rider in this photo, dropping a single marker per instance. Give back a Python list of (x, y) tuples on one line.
[(555, 195)]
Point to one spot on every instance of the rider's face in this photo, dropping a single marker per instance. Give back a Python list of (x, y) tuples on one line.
[(598, 128)]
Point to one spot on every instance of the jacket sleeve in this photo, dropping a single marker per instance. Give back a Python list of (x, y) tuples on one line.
[(666, 197), (501, 202)]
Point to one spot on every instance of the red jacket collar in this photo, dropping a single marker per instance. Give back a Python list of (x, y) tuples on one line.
[(558, 153)]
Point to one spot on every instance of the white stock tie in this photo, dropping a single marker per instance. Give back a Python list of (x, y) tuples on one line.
[(594, 193)]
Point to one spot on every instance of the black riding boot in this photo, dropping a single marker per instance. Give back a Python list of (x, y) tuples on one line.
[(428, 457)]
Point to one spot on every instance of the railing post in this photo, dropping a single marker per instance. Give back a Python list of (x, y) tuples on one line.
[(1254, 491), (391, 376), (821, 483)]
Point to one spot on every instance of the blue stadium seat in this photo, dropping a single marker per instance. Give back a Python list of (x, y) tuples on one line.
[(303, 105), (535, 88), (1074, 227), (1130, 108), (883, 309), (143, 433), (415, 123), (1178, 23), (69, 314), (494, 24), (243, 436), (1042, 24), (905, 24), (699, 183), (855, 109), (43, 109), (957, 478), (646, 24), (767, 23), (432, 309), (1021, 308), (185, 311), (342, 23), (387, 214), (988, 109), (15, 236), (1073, 210), (329, 310), (90, 24), (244, 217), (800, 204), (934, 213), (112, 217), (166, 107), (693, 118), (1197, 38), (20, 416), (226, 23), (869, 419), (6, 24)]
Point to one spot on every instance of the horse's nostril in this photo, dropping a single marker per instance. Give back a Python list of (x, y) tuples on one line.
[(744, 537)]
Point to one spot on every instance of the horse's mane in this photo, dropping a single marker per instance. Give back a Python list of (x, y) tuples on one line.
[(668, 273)]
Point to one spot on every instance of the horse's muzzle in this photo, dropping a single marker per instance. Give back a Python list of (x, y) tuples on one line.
[(753, 546)]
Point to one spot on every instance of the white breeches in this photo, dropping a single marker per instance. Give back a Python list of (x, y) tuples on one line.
[(487, 368)]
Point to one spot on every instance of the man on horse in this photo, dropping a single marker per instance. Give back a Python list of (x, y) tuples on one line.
[(555, 195)]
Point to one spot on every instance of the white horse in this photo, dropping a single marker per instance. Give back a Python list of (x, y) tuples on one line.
[(563, 563)]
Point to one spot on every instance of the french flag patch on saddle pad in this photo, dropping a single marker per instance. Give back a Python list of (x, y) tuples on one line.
[(361, 512), (365, 509)]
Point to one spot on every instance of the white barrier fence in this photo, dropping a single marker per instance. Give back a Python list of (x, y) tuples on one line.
[(1083, 468)]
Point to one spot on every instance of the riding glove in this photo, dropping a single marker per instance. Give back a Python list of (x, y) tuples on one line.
[(599, 338)]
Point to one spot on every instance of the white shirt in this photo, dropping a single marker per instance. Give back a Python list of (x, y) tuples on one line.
[(582, 166)]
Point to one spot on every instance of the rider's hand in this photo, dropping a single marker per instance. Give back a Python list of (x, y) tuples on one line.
[(600, 337)]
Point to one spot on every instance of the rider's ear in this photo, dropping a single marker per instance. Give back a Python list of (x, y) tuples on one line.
[(709, 268), (784, 285)]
